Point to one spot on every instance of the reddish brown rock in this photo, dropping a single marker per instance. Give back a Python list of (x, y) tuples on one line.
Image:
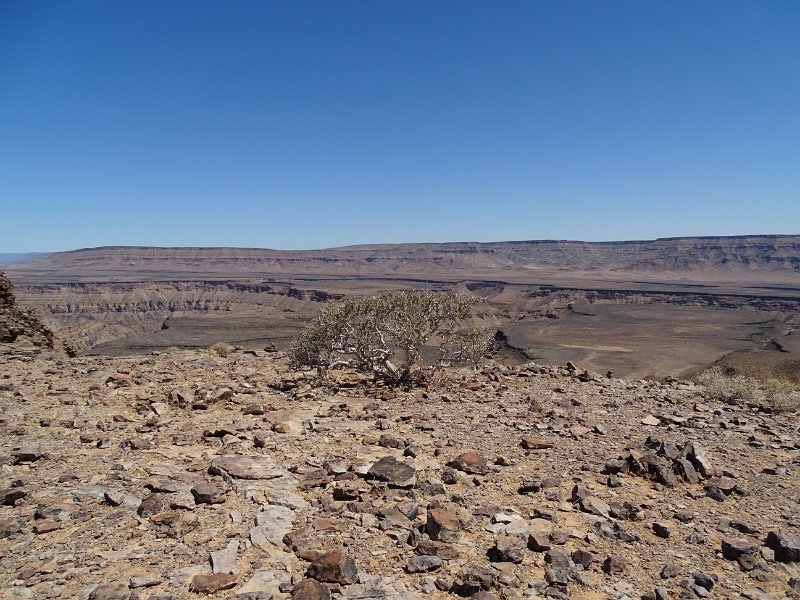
[(150, 505), (614, 564), (443, 525), (334, 567), (308, 589), (208, 493), (110, 591), (10, 496), (211, 584), (536, 443), (46, 526), (470, 462)]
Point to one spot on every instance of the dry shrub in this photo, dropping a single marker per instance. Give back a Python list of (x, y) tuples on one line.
[(728, 388), (401, 337), (780, 396), (220, 349)]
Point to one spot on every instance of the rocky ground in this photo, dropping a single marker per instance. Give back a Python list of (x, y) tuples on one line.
[(186, 475)]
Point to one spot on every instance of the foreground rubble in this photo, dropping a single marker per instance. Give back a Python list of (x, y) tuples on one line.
[(182, 475)]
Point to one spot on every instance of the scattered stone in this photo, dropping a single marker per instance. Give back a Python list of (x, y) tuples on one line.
[(394, 472), (207, 493), (720, 488), (27, 452), (141, 581), (583, 558), (151, 505), (246, 467), (272, 525), (662, 529), (10, 496), (595, 506), (334, 567), (733, 548), (110, 591), (308, 589), (472, 463), (443, 525), (786, 545), (224, 561), (10, 526), (695, 453), (670, 570), (46, 526), (704, 581), (462, 529), (265, 583), (211, 584), (614, 564), (530, 486), (509, 548), (539, 542), (389, 441), (472, 579), (536, 443), (423, 563)]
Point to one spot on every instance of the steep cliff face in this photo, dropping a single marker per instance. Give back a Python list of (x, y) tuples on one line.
[(20, 328), (95, 313)]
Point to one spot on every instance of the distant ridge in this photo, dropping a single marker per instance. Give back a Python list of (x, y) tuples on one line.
[(755, 258), (769, 236)]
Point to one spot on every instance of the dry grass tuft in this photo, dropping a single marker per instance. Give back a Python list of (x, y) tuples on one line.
[(780, 396), (220, 349)]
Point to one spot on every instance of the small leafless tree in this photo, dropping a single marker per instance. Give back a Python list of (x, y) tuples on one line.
[(386, 335)]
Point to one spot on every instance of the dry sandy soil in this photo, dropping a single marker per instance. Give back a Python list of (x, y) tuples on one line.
[(177, 474)]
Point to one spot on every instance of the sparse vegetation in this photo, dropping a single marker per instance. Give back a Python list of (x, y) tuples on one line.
[(220, 349), (734, 388), (388, 335)]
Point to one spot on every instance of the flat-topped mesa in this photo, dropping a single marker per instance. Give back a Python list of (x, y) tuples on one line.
[(755, 258), (21, 329)]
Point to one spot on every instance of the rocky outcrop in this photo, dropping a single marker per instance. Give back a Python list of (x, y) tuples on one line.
[(20, 328), (91, 314)]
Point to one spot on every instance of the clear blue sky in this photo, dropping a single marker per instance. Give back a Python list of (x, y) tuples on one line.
[(298, 124)]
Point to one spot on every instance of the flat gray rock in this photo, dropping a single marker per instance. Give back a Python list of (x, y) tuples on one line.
[(224, 561), (272, 523), (245, 467)]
